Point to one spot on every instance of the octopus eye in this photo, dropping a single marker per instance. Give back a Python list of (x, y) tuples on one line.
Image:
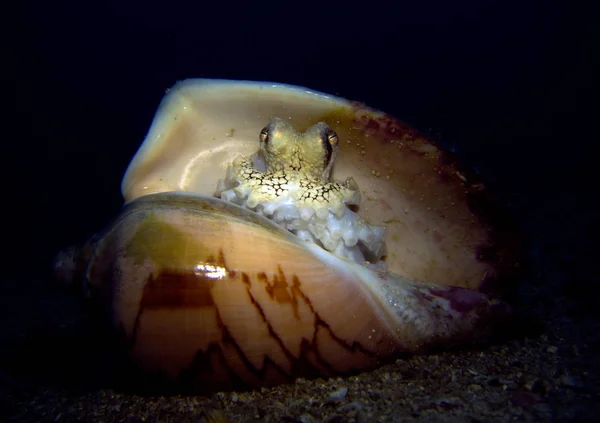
[(264, 135), (332, 138)]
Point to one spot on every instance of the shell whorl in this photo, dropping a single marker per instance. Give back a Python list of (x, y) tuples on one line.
[(209, 290)]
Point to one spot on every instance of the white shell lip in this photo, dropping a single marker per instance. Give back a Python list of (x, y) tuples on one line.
[(408, 184)]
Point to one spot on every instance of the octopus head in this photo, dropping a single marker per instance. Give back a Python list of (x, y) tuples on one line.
[(311, 152)]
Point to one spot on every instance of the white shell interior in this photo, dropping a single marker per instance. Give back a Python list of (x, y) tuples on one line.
[(202, 125)]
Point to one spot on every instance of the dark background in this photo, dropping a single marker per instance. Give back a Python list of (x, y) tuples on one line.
[(503, 83)]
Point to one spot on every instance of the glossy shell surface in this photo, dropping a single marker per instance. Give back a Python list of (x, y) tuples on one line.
[(216, 297)]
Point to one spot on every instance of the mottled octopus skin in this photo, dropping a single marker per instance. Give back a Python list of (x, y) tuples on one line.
[(294, 190), (214, 297), (263, 187)]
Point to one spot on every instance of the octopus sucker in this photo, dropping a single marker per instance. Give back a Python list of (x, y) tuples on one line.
[(245, 256)]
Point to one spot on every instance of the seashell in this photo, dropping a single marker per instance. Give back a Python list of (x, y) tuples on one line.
[(215, 296)]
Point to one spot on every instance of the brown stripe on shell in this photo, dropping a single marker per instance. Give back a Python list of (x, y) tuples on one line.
[(175, 289)]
